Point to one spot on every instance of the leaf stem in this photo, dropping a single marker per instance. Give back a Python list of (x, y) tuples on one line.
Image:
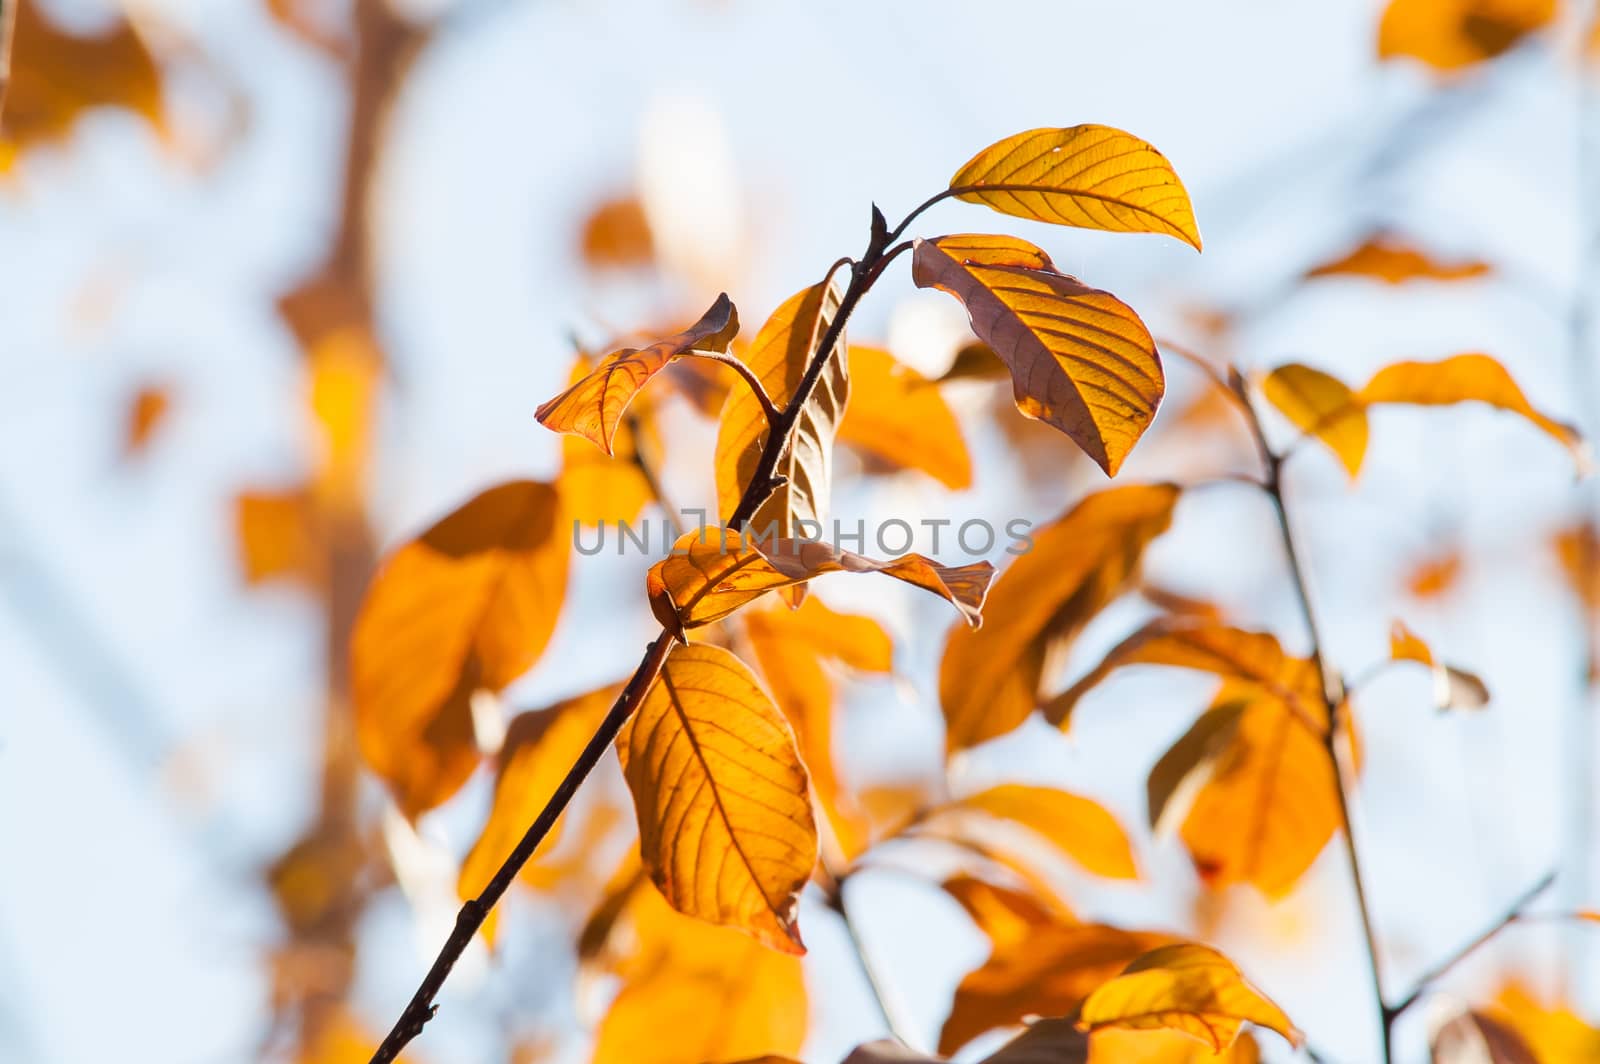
[(1439, 971), (473, 912), (768, 407), (1333, 698)]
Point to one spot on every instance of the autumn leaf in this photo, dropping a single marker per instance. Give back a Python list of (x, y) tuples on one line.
[(1007, 915), (1466, 378), (725, 827), (1080, 359), (790, 646), (1089, 176), (779, 356), (1118, 1046), (693, 993), (1044, 1041), (593, 407), (1185, 987), (714, 571), (539, 748), (1453, 35), (146, 414), (345, 367), (1436, 575), (467, 606), (616, 235), (277, 536), (1048, 973), (989, 679), (1474, 1038), (1321, 405), (57, 77), (1078, 827), (1453, 688), (1553, 1030), (597, 488), (1393, 261), (1264, 803), (900, 421)]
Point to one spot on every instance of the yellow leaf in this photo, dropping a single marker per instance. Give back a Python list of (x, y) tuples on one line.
[(713, 572), (790, 646), (616, 234), (597, 488), (1461, 379), (1321, 405), (725, 825), (694, 993), (1080, 359), (539, 749), (1453, 688), (1188, 988), (1406, 645), (1048, 973), (989, 679), (1265, 806), (1115, 1046), (593, 407), (1006, 914), (1392, 261), (1554, 1032), (277, 536), (1452, 35), (1093, 177), (898, 419), (57, 77), (345, 368), (469, 605), (1077, 826), (779, 356), (339, 1038)]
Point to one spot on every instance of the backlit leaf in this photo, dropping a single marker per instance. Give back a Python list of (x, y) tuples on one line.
[(1453, 688), (58, 76), (790, 646), (597, 488), (540, 747), (467, 606), (989, 679), (1048, 973), (1118, 1046), (1263, 799), (1321, 405), (616, 234), (1080, 359), (593, 407), (1451, 35), (277, 536), (725, 826), (693, 993), (713, 572), (1474, 1038), (1392, 261), (1185, 987), (1436, 575), (779, 356), (1553, 1030), (1466, 378), (1078, 827), (902, 422), (1006, 914), (1093, 177)]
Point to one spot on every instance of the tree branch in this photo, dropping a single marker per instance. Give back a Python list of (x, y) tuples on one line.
[(8, 33)]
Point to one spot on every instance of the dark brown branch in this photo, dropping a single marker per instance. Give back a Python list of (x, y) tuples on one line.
[(8, 33)]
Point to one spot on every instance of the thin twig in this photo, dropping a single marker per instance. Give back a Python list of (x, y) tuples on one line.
[(1439, 971), (472, 914), (869, 971), (1333, 697), (768, 407)]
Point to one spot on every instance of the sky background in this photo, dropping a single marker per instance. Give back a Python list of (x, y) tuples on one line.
[(157, 719)]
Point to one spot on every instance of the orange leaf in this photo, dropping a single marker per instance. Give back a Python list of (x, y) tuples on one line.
[(146, 414), (1089, 176), (790, 646), (58, 76), (539, 749), (901, 421), (1007, 915), (1453, 688), (469, 605), (1048, 973), (1116, 1046), (1080, 359), (593, 407), (711, 761), (1553, 1031), (1461, 379), (779, 356), (1452, 35), (597, 488), (713, 572), (1321, 405), (616, 234), (277, 536), (989, 679), (1078, 827), (1437, 575), (1474, 1038), (1188, 988), (1392, 261)]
